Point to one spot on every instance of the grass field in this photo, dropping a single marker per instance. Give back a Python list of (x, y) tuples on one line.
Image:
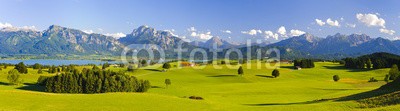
[(222, 89)]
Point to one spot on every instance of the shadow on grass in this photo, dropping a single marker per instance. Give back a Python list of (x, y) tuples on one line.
[(287, 67), (294, 103), (156, 87), (223, 75), (265, 76), (156, 70), (33, 87), (368, 94), (344, 68), (3, 83), (337, 89)]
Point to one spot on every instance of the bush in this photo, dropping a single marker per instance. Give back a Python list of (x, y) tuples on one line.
[(372, 79), (40, 71), (196, 97), (21, 68), (166, 66), (130, 68), (240, 71), (167, 82), (13, 77), (37, 66), (336, 78), (42, 80), (275, 73)]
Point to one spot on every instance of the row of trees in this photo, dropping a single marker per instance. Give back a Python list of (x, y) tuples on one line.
[(304, 63), (362, 63), (375, 61), (93, 81)]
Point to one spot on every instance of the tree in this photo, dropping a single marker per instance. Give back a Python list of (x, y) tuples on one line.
[(21, 68), (167, 82), (240, 71), (275, 73), (336, 78), (13, 77), (369, 64), (105, 65), (130, 68), (386, 78), (166, 66), (393, 72), (40, 71), (144, 63), (36, 66)]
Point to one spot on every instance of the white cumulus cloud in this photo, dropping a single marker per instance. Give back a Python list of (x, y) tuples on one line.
[(282, 30), (270, 34), (320, 22), (203, 36), (5, 25), (252, 32), (331, 22), (387, 31), (116, 35), (294, 32), (371, 20)]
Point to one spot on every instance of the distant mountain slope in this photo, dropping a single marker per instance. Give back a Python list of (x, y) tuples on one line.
[(222, 44), (350, 45), (148, 35), (57, 40)]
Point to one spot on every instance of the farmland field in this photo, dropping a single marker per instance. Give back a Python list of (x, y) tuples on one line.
[(222, 89)]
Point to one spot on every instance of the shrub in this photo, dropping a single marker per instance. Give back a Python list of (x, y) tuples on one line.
[(275, 73), (40, 71), (13, 77), (130, 68), (386, 78), (372, 79), (240, 71), (196, 97), (167, 82), (336, 78), (21, 68), (42, 80), (166, 66)]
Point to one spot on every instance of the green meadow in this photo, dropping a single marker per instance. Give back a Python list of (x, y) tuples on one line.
[(222, 89)]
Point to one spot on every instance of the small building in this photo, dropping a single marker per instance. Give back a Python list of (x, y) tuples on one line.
[(297, 68)]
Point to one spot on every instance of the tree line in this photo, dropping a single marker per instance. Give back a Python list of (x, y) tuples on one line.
[(375, 61), (304, 63), (93, 81)]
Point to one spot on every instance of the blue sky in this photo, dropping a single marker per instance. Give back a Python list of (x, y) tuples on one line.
[(256, 19)]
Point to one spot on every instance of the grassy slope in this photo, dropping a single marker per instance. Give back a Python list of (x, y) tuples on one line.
[(222, 89)]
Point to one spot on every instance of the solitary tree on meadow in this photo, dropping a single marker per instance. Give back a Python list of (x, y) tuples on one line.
[(13, 77), (336, 78), (275, 73), (167, 82), (166, 66), (240, 71)]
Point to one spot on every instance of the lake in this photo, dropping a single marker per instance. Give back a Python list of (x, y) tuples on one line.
[(56, 62)]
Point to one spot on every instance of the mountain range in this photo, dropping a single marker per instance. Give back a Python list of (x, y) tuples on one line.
[(62, 40)]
